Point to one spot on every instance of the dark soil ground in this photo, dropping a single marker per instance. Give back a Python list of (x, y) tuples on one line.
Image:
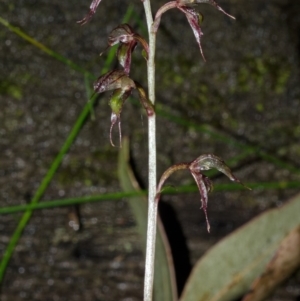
[(248, 91)]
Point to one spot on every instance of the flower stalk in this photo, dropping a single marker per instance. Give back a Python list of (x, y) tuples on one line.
[(152, 204)]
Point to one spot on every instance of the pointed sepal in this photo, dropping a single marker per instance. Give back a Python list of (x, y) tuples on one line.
[(195, 19)]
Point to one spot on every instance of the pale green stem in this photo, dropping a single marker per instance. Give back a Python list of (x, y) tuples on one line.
[(152, 205)]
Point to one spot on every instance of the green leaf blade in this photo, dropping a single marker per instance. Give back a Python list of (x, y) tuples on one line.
[(164, 278), (227, 270)]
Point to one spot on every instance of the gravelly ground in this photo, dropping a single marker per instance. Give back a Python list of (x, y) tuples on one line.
[(248, 91)]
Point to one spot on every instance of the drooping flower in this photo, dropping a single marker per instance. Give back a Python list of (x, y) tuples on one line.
[(204, 162), (194, 18), (121, 85), (128, 39)]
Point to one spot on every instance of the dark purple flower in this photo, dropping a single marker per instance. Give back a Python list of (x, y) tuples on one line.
[(128, 39), (121, 85), (194, 18), (204, 162)]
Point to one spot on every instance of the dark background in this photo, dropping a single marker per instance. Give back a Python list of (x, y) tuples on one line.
[(248, 90)]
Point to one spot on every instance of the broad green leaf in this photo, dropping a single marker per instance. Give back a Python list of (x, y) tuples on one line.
[(227, 270), (283, 264), (164, 278)]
